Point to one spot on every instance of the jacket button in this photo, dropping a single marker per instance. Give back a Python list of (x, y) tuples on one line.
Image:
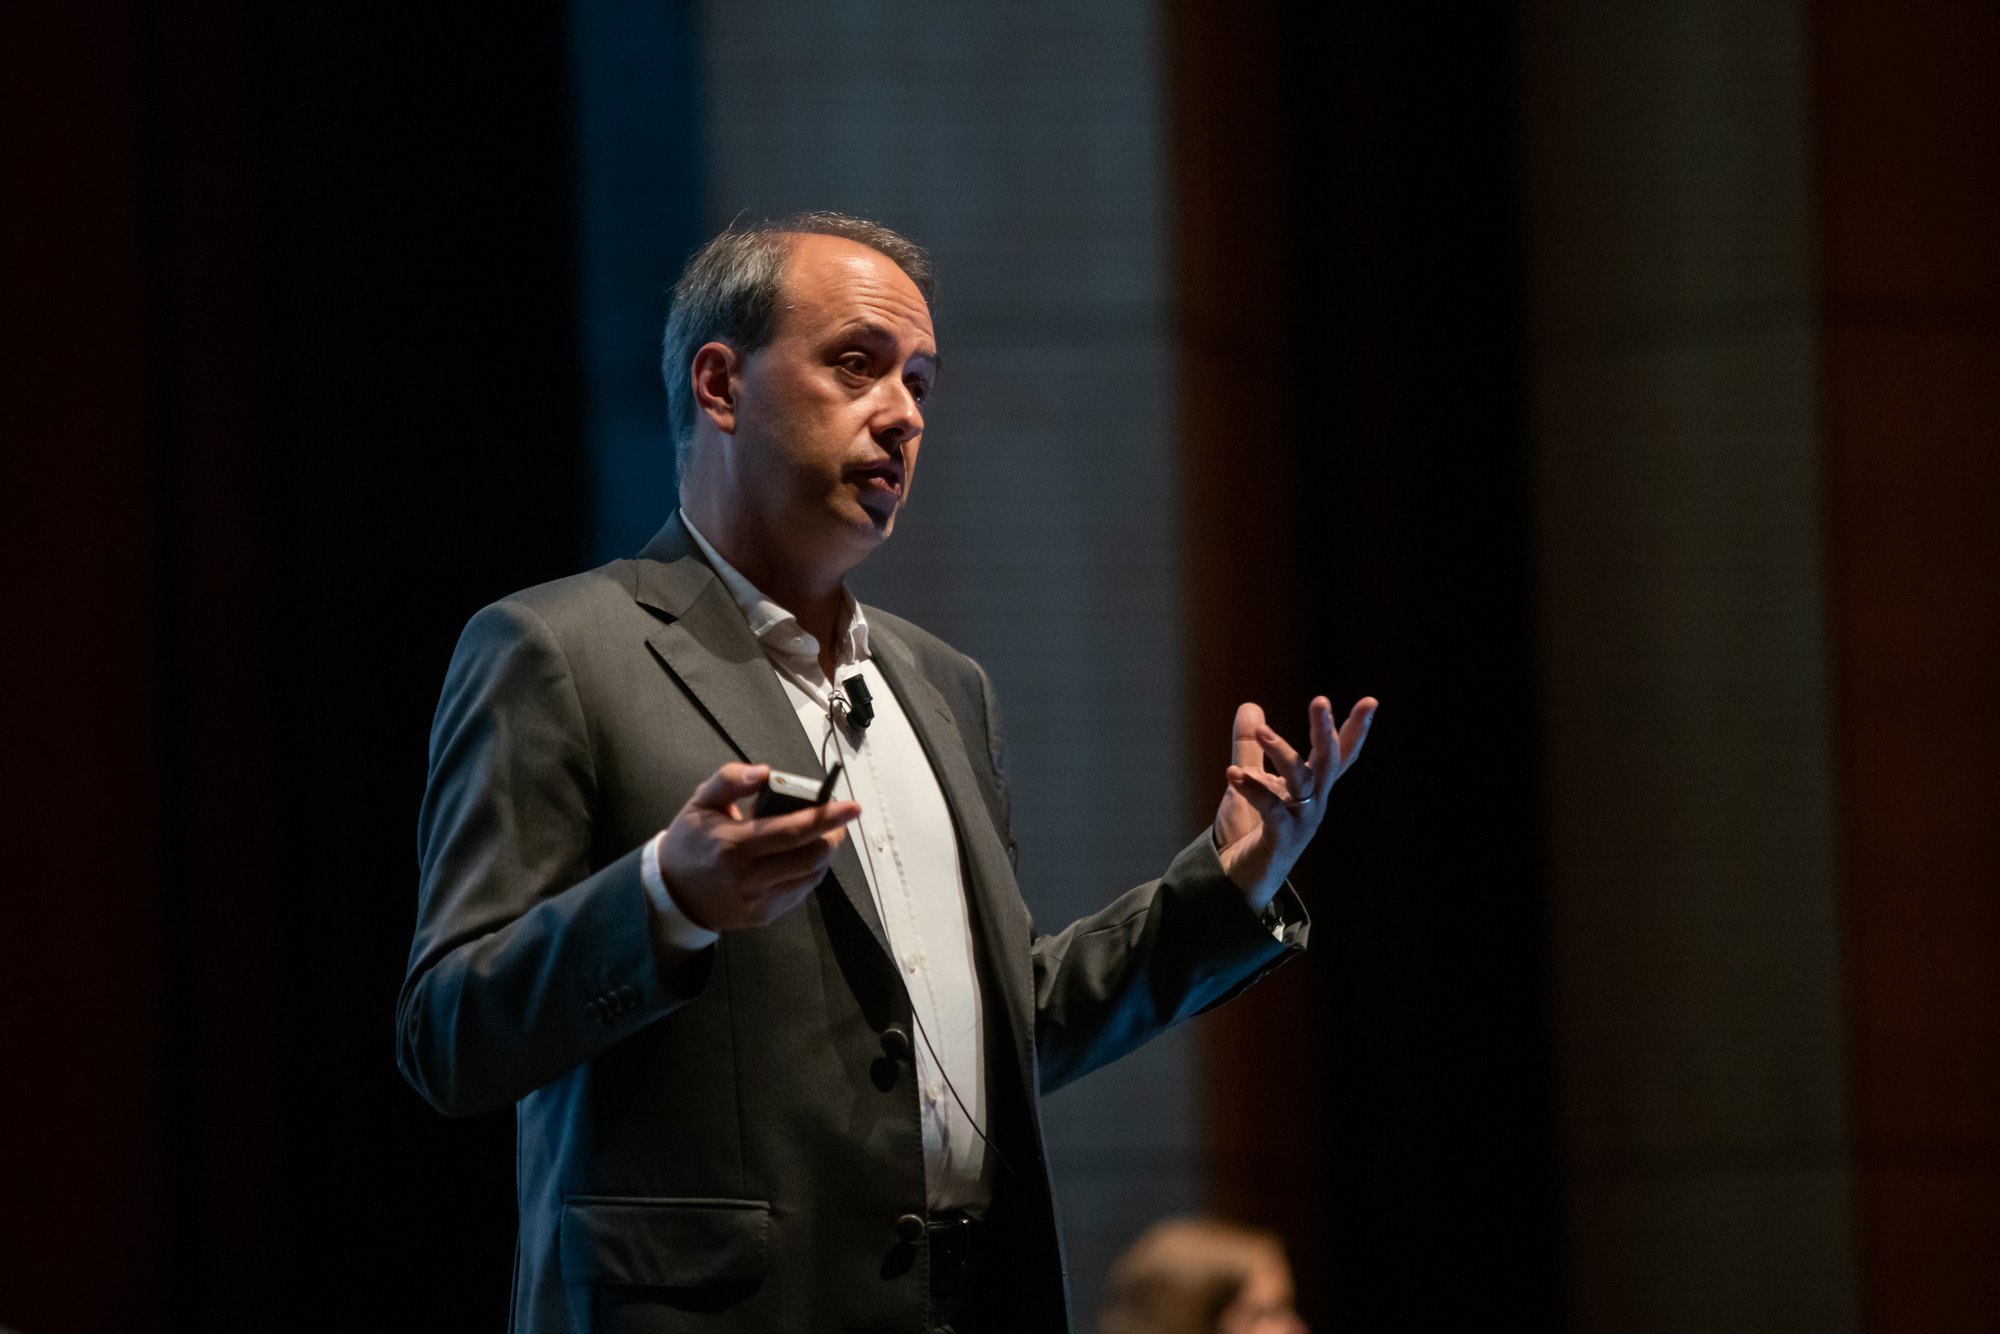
[(895, 1042), (629, 995), (910, 1228)]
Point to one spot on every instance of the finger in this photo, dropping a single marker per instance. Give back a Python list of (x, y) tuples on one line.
[(781, 833), (1325, 757), (788, 868), (1287, 762), (1354, 731), (1258, 788), (1244, 748), (721, 788)]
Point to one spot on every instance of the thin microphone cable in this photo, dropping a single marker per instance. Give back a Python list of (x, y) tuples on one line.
[(874, 896)]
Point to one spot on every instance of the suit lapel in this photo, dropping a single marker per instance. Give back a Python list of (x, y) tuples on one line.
[(708, 648)]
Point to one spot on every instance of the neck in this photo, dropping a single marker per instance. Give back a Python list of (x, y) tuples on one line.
[(812, 590), (816, 603)]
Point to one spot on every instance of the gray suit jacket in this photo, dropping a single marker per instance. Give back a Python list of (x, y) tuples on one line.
[(726, 1142)]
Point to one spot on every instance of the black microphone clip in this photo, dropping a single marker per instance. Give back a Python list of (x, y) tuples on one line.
[(860, 707)]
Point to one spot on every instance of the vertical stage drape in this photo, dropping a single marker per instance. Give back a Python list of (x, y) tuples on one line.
[(1356, 478), (303, 397), (1907, 166)]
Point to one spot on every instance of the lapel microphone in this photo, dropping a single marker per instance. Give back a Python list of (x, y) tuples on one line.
[(860, 707)]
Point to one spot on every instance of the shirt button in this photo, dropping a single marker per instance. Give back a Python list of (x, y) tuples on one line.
[(935, 1092), (910, 962)]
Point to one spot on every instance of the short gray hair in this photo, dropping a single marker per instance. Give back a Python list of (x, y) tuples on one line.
[(732, 288)]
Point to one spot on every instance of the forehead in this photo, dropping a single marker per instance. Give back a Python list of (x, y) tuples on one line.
[(831, 281)]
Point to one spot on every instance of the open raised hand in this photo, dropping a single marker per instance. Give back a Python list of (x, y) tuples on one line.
[(1274, 800)]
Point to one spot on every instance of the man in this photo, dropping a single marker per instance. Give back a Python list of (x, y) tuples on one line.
[(780, 1072)]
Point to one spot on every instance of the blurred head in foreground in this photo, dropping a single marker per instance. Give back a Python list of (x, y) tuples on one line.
[(1199, 1276)]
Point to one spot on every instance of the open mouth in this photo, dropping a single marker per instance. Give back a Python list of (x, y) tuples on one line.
[(882, 480)]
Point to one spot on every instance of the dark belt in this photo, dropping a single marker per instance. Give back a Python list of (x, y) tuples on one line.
[(953, 1238)]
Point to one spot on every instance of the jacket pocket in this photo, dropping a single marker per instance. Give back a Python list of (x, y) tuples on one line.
[(663, 1243)]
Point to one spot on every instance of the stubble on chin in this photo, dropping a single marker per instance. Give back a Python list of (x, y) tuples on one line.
[(878, 521), (859, 528)]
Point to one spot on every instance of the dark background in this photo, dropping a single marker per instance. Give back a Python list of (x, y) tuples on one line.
[(293, 388)]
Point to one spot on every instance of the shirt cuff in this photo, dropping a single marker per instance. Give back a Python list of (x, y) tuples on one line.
[(671, 926), (1284, 925)]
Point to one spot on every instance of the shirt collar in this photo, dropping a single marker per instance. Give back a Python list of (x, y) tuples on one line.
[(777, 630)]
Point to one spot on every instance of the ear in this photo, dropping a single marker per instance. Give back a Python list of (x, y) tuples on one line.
[(716, 376)]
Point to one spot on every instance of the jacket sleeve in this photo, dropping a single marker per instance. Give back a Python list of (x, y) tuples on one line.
[(1160, 953), (526, 961)]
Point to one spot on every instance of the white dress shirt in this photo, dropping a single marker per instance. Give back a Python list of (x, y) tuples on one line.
[(909, 853)]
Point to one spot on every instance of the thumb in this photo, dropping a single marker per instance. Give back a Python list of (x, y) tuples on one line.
[(721, 789)]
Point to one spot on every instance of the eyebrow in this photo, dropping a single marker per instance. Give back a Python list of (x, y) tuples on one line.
[(881, 333)]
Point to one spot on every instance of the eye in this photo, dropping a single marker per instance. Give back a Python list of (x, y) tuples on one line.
[(853, 363), (920, 388)]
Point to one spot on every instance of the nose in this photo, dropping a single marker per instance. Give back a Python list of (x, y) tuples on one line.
[(900, 415)]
